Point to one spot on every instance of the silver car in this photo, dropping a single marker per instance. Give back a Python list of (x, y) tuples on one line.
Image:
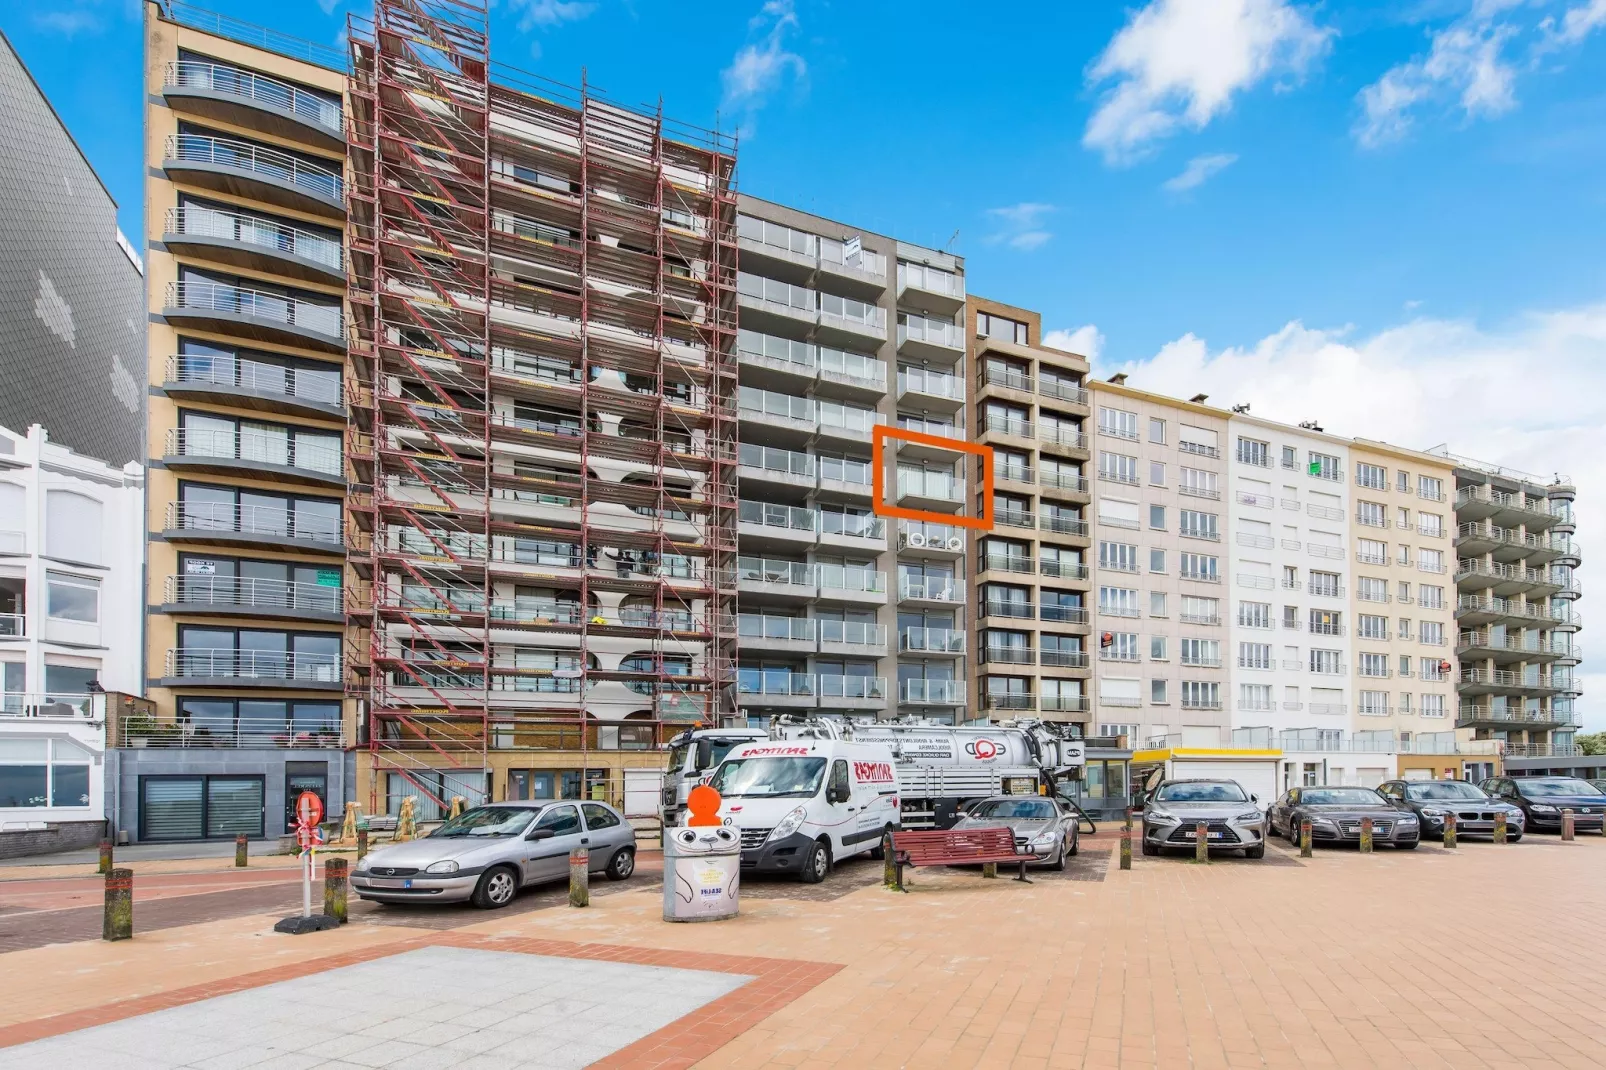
[(485, 855), (1173, 811), (1044, 828)]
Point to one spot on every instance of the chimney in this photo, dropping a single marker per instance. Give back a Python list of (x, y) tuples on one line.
[(1119, 378), (1198, 399)]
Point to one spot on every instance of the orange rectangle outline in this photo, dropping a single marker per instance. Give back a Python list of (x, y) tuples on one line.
[(879, 433)]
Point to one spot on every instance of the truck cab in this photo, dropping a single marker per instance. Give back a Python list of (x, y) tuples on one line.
[(693, 756)]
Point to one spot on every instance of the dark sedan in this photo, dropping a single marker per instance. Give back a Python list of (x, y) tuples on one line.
[(1543, 798), (1335, 816), (1431, 800)]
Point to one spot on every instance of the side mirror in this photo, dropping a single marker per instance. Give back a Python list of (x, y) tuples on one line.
[(837, 795), (1253, 797), (540, 834), (705, 753)]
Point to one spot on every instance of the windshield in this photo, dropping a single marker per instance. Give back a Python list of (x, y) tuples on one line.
[(1561, 785), (677, 758), (1340, 797), (721, 747), (488, 821), (1225, 791), (769, 776), (1445, 790), (1014, 809)]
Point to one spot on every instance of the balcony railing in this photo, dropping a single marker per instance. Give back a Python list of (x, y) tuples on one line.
[(197, 222), (256, 36), (1008, 425), (774, 682), (780, 517), (841, 686), (326, 320), (253, 520), (775, 573), (13, 625), (852, 578), (1063, 525), (1063, 703), (55, 706), (243, 734), (940, 486), (932, 332), (1003, 607), (775, 460), (252, 592), (930, 588), (1008, 378), (255, 447), (933, 384), (1063, 659), (932, 640), (1062, 614), (934, 692), (853, 633), (253, 376), (1008, 701), (1062, 389), (252, 664), (269, 163), (791, 629)]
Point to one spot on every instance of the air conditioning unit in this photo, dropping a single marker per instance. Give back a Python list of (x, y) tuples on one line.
[(956, 542), (917, 539)]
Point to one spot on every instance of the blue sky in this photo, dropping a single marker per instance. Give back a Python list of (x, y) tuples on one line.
[(1349, 211)]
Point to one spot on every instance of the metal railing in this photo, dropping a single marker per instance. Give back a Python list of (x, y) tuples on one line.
[(252, 520), (257, 36), (534, 611), (253, 664), (197, 222), (1198, 449), (259, 160), (34, 704), (222, 297), (251, 592), (304, 384), (254, 446)]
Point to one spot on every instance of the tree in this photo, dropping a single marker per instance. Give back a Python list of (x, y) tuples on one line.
[(1593, 743)]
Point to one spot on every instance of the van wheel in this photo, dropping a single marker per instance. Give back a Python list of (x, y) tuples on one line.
[(877, 852), (818, 865), (621, 865), (496, 888)]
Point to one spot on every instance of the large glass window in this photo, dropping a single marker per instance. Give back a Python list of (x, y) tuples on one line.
[(39, 773), (72, 598)]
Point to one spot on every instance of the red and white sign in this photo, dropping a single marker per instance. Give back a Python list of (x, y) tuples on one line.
[(873, 772), (309, 808), (766, 752), (308, 837), (983, 749)]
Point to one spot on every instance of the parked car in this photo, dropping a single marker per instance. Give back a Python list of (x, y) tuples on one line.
[(1173, 810), (485, 855), (1542, 799), (1600, 784), (1336, 813), (1043, 826), (1474, 809)]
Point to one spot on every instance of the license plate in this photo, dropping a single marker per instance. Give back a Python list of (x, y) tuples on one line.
[(1193, 834), (392, 884)]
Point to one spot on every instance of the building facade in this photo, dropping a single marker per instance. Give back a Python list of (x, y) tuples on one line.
[(842, 611), (1031, 639), (70, 621)]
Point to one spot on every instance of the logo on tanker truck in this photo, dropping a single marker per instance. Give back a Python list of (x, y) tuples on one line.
[(982, 749), (873, 772)]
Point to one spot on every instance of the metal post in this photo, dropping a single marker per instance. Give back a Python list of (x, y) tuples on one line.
[(1126, 844), (1201, 842), (334, 889), (1500, 826), (118, 921), (306, 883), (1366, 835), (1566, 823), (239, 851), (1304, 838), (105, 857), (579, 877), (1449, 832)]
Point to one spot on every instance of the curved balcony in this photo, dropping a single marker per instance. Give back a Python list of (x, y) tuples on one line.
[(254, 101), (255, 314), (244, 596), (214, 524), (220, 452), (248, 241), (227, 667), (255, 172), (255, 385), (1504, 581)]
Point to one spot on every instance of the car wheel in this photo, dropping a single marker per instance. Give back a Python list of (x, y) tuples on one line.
[(1058, 865), (878, 853), (496, 888), (621, 865), (1148, 848), (1076, 842), (818, 866), (1257, 851), (1517, 838)]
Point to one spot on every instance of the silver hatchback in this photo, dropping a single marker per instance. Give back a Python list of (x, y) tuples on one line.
[(485, 855)]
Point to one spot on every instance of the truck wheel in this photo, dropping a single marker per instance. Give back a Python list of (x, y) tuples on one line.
[(496, 888), (818, 864)]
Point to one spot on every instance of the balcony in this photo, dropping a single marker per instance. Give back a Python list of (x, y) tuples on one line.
[(1510, 648), (246, 99), (845, 477), (773, 465), (789, 362), (13, 625), (776, 523), (1487, 609), (1052, 386), (244, 596), (852, 583), (995, 424), (1014, 518), (1009, 609), (1017, 564), (222, 452), (942, 590), (1325, 590), (1061, 436), (794, 634), (776, 579), (854, 371), (923, 539), (776, 688), (935, 490), (1505, 509), (853, 637), (770, 305), (1479, 681), (1000, 654), (1063, 525), (852, 692), (851, 321), (772, 409), (1008, 702), (254, 314), (1059, 569), (922, 389), (1504, 718), (227, 667), (45, 707), (1063, 704), (1504, 580), (930, 288), (1005, 377), (930, 339), (255, 385), (236, 735), (252, 242), (1058, 614), (920, 692), (943, 642), (1004, 472), (253, 525), (848, 421), (853, 531), (255, 172), (1063, 659)]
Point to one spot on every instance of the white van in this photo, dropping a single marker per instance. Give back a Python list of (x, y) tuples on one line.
[(803, 804)]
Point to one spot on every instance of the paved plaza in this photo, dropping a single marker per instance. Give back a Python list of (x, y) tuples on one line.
[(1487, 956)]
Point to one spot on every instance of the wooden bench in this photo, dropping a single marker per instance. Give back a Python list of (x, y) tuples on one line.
[(955, 847)]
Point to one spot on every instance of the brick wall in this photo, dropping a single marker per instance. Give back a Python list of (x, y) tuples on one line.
[(56, 836)]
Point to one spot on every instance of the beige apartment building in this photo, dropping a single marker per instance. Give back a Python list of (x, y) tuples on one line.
[(1159, 570), (1032, 623)]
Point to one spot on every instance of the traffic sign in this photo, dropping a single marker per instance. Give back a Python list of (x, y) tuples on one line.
[(308, 837), (309, 808)]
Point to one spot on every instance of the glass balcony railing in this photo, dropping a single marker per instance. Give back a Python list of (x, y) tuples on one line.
[(852, 687), (930, 331), (839, 362), (775, 573), (930, 383), (933, 692), (790, 629), (777, 461), (852, 578), (932, 640), (775, 682), (853, 633), (930, 588), (780, 517), (852, 525)]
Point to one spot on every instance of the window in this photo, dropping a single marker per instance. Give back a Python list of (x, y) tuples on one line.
[(1254, 696), (1429, 560), (1199, 567), (1201, 695), (1156, 560), (1371, 551), (200, 807), (1290, 457), (1371, 589), (73, 527), (1431, 633), (1118, 467), (1326, 584), (1404, 592), (40, 773), (1374, 703), (1198, 483), (1429, 524), (1291, 618), (1118, 556), (1253, 451), (1157, 648), (1118, 602), (1199, 525), (1118, 423), (1157, 430), (1200, 441), (1430, 669), (1405, 708), (1254, 614), (1371, 514), (1326, 622), (1118, 514), (1324, 466), (1157, 693), (1156, 474), (1428, 487), (1371, 626), (1371, 476), (1376, 665), (1123, 646), (1254, 655), (1196, 610), (1327, 662), (1290, 578), (72, 598), (1403, 628), (1404, 557), (1157, 517), (1201, 652), (1432, 705), (998, 327), (1157, 607)]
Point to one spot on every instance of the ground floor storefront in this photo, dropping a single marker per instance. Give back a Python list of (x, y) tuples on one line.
[(195, 793)]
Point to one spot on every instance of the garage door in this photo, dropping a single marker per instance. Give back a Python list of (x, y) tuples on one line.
[(1256, 778)]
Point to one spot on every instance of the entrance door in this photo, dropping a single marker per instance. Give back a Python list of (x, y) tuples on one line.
[(524, 785), (300, 777)]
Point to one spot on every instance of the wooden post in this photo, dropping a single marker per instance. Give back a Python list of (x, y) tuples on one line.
[(989, 870), (1566, 823), (239, 851), (1366, 835), (1126, 844), (579, 877), (334, 889), (1500, 826), (118, 922), (889, 865), (105, 857), (362, 842), (1449, 832), (1304, 838), (1201, 842)]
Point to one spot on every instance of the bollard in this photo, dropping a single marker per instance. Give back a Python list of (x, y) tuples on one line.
[(118, 922), (362, 843), (989, 870), (579, 877), (334, 889), (1366, 835), (1449, 832), (1126, 846), (1500, 826), (105, 857), (1566, 824), (889, 865), (1304, 838), (1201, 842), (239, 851)]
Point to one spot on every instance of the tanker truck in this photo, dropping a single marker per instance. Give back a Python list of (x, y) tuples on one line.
[(693, 755)]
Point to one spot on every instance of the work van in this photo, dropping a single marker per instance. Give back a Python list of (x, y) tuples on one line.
[(803, 805)]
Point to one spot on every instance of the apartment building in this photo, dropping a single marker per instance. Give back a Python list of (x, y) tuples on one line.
[(842, 611), (1159, 569), (246, 278), (1516, 595), (1031, 637)]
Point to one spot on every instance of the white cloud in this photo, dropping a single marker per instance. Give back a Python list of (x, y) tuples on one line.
[(1200, 169), (1179, 62), (67, 23), (1020, 225), (1426, 382), (541, 15), (762, 65), (1085, 340), (1576, 24)]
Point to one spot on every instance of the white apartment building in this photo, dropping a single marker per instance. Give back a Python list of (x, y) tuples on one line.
[(71, 561)]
